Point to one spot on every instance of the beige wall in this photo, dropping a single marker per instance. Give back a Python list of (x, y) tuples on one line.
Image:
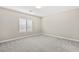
[(65, 24), (9, 24)]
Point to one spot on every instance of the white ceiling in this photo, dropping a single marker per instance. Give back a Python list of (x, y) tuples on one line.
[(44, 11)]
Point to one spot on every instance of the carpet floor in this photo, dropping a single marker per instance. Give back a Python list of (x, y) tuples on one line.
[(40, 44)]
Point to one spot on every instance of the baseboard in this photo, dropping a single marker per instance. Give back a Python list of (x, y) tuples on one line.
[(19, 38), (39, 35), (51, 35)]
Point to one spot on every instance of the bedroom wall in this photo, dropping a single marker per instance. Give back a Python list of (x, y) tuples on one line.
[(9, 24), (63, 24)]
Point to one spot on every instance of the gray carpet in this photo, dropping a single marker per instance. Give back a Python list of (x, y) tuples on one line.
[(40, 44)]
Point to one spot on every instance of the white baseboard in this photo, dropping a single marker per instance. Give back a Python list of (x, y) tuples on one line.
[(51, 35), (19, 38)]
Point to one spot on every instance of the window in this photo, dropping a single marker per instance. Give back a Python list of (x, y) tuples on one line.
[(25, 25), (22, 25), (29, 25)]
